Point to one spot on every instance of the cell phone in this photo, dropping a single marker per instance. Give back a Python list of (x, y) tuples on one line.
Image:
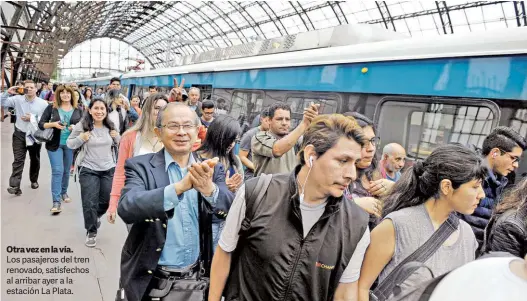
[(21, 91)]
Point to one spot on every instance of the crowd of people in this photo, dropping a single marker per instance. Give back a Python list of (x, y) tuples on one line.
[(318, 212)]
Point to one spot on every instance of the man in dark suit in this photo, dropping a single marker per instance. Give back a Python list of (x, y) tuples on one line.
[(169, 198)]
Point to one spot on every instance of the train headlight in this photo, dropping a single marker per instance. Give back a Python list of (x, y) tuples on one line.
[(364, 70)]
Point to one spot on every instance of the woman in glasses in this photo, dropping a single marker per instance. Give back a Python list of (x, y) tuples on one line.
[(138, 140), (369, 186)]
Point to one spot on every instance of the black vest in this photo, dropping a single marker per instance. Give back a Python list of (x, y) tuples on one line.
[(274, 262)]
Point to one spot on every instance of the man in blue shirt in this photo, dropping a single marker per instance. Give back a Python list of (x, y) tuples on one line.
[(169, 197), (26, 105), (393, 159)]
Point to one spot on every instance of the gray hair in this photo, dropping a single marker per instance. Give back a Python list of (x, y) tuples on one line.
[(194, 89), (161, 113)]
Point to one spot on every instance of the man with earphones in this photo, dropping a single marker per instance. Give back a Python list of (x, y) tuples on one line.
[(293, 235), (502, 149)]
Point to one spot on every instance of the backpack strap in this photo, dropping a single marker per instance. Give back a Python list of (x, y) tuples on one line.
[(253, 197), (384, 290)]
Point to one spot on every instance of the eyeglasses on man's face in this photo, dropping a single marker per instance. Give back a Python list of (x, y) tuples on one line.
[(174, 127), (513, 158)]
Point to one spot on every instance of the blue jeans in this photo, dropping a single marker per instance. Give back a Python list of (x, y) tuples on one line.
[(216, 233), (61, 161)]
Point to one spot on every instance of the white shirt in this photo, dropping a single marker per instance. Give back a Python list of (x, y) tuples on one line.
[(229, 236), (22, 106), (489, 279)]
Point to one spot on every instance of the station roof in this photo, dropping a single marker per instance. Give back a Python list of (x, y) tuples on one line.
[(37, 34)]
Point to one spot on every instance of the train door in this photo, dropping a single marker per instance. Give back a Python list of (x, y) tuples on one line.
[(131, 91), (422, 124)]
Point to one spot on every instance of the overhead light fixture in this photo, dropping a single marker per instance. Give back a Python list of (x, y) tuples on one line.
[(37, 56), (63, 41), (66, 28), (61, 49)]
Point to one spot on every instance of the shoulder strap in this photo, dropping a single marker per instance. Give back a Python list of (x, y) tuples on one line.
[(253, 198), (385, 288)]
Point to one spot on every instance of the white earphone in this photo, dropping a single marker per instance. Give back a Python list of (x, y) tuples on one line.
[(310, 161)]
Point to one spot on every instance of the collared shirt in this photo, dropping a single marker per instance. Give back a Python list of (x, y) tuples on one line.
[(263, 158), (182, 240), (395, 178), (22, 106)]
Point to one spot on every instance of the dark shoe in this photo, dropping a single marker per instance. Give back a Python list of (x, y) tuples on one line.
[(56, 209), (66, 198), (14, 190), (91, 240), (34, 185)]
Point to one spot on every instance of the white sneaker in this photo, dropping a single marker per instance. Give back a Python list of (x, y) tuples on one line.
[(91, 240)]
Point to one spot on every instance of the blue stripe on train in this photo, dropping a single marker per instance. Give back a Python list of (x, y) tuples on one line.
[(503, 77)]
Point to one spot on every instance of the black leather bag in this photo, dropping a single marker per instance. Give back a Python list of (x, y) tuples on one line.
[(44, 135), (194, 287)]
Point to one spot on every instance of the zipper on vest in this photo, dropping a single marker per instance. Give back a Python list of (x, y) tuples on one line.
[(289, 285)]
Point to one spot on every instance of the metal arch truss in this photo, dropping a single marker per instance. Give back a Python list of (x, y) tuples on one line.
[(444, 16), (385, 15), (519, 9), (164, 30)]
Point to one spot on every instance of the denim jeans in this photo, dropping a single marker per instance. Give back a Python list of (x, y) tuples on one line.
[(95, 192), (216, 233), (60, 161)]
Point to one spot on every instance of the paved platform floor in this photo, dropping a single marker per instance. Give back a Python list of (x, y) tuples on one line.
[(27, 223)]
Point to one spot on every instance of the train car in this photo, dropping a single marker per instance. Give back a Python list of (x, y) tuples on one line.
[(421, 92)]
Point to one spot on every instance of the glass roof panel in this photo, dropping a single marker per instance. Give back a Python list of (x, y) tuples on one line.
[(282, 7), (146, 24), (256, 12)]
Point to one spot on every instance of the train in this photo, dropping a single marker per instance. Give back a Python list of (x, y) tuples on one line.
[(420, 92)]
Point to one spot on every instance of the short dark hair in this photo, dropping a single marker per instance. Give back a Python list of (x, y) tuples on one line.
[(278, 106), (264, 113), (504, 138), (152, 87), (115, 79), (207, 104)]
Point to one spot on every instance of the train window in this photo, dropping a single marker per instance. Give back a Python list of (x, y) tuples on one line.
[(246, 103), (329, 104), (519, 122), (422, 126)]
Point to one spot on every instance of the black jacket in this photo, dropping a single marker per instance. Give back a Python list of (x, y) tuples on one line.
[(51, 115), (141, 204), (507, 232), (273, 260)]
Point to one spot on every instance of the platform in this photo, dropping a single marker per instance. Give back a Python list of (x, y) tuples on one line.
[(27, 223)]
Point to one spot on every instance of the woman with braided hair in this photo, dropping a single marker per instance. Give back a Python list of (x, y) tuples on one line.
[(426, 195)]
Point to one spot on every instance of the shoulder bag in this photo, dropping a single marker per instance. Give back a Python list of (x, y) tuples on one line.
[(391, 285), (45, 135)]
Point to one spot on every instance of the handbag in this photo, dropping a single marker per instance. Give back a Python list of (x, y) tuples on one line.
[(391, 285), (193, 287), (44, 136)]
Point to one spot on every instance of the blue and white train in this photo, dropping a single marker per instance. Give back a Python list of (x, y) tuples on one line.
[(421, 92)]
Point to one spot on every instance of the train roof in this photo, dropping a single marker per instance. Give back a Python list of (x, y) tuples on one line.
[(511, 41)]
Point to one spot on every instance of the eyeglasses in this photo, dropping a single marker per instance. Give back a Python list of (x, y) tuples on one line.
[(374, 141), (176, 127), (514, 158)]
